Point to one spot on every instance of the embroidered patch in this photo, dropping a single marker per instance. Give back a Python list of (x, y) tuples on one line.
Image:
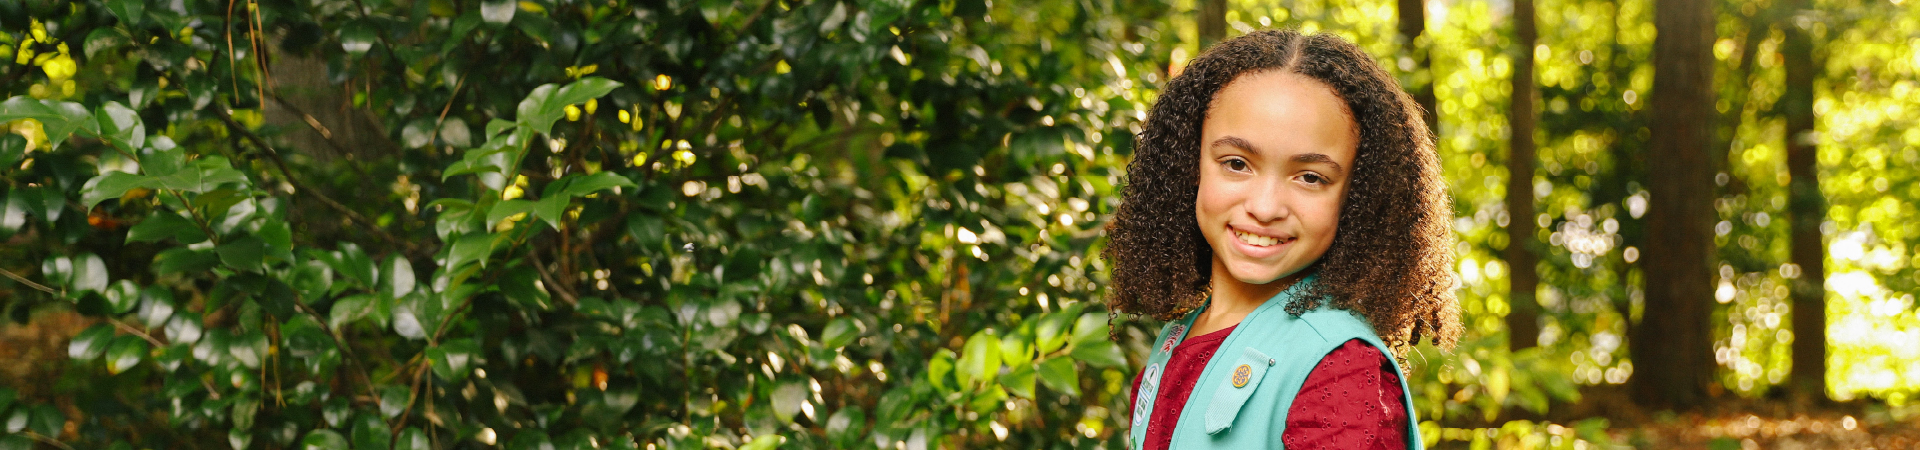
[(1149, 387), (1173, 337), (1240, 375)]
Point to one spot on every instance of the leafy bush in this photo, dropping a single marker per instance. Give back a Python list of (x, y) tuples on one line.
[(576, 224)]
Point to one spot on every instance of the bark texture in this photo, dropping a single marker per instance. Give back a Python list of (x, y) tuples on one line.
[(1808, 208), (1673, 346), (1523, 321), (1212, 22)]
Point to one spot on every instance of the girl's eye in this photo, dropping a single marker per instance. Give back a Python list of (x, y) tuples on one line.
[(1313, 178), (1236, 165)]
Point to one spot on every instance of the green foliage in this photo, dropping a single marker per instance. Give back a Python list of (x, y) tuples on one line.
[(691, 224), (791, 224)]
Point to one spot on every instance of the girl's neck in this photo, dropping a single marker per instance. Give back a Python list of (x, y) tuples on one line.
[(1232, 299)]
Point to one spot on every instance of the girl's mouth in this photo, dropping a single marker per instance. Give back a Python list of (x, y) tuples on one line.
[(1258, 240)]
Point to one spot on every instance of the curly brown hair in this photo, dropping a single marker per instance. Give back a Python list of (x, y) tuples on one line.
[(1391, 256)]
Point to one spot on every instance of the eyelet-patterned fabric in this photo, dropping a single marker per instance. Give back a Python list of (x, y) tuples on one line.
[(1351, 400), (1189, 358)]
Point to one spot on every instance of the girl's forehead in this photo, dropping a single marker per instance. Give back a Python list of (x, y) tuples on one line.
[(1280, 114)]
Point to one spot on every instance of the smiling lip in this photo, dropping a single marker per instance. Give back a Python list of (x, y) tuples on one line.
[(1258, 245)]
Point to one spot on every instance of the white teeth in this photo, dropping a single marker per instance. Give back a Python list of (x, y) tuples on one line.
[(1255, 239)]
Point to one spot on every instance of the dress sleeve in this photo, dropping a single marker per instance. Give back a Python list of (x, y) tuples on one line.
[(1351, 400)]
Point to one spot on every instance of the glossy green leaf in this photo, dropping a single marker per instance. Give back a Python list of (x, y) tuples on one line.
[(498, 12), (547, 103), (508, 208), (472, 247), (453, 360), (412, 439), (396, 276), (124, 353), (1090, 327), (12, 148), (551, 210), (840, 332), (166, 224), (201, 175), (13, 214), (418, 133), (130, 12), (939, 368), (354, 308), (323, 440), (112, 185), (765, 442), (89, 274), (1020, 380), (122, 297), (90, 343), (47, 420), (244, 410), (521, 285), (408, 323), (575, 186), (184, 260), (58, 119), (980, 361), (156, 306), (393, 400), (787, 399), (1061, 375), (1051, 332), (39, 201), (1099, 354), (245, 253), (121, 126)]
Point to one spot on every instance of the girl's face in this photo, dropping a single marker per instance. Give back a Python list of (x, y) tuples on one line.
[(1276, 152)]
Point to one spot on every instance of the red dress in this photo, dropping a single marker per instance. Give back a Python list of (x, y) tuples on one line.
[(1351, 400)]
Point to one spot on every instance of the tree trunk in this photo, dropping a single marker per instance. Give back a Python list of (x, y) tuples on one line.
[(1413, 23), (1808, 207), (1213, 22), (1523, 321), (1673, 345)]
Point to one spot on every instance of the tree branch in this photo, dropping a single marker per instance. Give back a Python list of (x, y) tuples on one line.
[(29, 283), (123, 326), (360, 367), (409, 248), (49, 440), (540, 268)]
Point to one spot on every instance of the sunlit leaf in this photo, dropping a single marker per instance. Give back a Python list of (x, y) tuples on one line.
[(1061, 375), (396, 276), (124, 353), (166, 224), (498, 11), (90, 343), (980, 361), (840, 332), (1099, 354), (323, 440)]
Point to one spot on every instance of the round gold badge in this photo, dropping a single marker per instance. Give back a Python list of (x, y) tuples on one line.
[(1240, 375)]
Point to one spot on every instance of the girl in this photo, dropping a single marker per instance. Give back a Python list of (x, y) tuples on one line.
[(1285, 210)]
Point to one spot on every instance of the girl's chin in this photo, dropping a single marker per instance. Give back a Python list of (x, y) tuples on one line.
[(1258, 277)]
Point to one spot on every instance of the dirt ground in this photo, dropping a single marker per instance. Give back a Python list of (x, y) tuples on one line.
[(1869, 427)]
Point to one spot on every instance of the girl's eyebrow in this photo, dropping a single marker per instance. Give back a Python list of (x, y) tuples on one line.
[(1319, 158), (1242, 144), (1235, 141)]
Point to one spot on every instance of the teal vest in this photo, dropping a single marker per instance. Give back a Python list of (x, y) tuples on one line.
[(1242, 397)]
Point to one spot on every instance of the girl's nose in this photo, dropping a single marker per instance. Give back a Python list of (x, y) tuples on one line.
[(1268, 201)]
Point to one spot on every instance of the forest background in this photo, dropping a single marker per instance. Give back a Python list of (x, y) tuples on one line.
[(839, 224)]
